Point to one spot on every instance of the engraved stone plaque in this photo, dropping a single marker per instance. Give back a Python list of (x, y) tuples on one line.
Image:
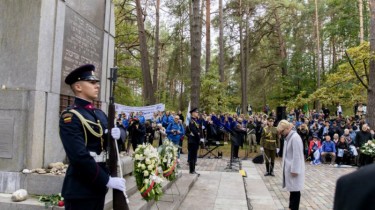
[(83, 43), (6, 137)]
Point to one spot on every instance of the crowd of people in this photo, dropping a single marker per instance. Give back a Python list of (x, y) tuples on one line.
[(327, 138)]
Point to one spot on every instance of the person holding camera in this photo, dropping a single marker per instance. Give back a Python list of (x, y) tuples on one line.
[(137, 132), (175, 131)]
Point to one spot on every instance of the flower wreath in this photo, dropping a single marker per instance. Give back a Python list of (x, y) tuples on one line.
[(368, 148), (168, 158), (146, 162)]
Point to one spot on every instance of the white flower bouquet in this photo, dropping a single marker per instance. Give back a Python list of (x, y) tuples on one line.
[(168, 159), (146, 172), (368, 148)]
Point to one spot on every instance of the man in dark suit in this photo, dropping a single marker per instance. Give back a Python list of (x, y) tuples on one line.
[(356, 190), (83, 131)]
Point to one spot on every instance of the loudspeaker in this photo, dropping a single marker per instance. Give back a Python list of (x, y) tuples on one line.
[(280, 113)]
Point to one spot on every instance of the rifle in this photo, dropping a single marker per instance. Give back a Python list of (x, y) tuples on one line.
[(119, 198)]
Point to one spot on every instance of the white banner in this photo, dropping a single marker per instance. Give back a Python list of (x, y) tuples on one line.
[(148, 111)]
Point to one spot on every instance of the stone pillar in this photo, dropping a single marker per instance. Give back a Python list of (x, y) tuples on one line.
[(33, 43)]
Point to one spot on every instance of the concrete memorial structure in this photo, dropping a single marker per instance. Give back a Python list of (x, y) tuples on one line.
[(41, 41)]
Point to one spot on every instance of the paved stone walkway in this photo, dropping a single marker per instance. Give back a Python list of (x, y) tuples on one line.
[(319, 189), (320, 183)]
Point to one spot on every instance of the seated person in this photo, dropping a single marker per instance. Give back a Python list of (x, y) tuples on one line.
[(328, 148), (335, 138), (313, 151), (348, 138), (343, 154)]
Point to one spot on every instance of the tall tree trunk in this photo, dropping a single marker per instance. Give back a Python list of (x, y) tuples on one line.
[(317, 49), (361, 33), (247, 51), (370, 92), (156, 53), (208, 34), (221, 42), (242, 63), (147, 84), (181, 59), (282, 45), (195, 55), (334, 52)]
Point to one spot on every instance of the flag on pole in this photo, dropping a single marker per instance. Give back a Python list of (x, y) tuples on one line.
[(187, 121)]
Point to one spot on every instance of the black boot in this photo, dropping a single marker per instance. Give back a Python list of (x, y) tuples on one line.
[(271, 169), (191, 167), (268, 169)]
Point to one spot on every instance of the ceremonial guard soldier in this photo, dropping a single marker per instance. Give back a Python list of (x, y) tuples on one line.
[(83, 135), (269, 145), (194, 135)]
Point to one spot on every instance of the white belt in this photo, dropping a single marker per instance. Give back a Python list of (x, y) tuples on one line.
[(99, 158)]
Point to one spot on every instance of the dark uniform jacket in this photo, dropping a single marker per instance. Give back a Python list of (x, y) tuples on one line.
[(85, 178), (194, 131)]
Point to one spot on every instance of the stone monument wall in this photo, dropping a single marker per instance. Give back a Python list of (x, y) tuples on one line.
[(41, 41)]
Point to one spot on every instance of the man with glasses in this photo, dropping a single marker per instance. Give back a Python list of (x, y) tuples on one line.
[(83, 131)]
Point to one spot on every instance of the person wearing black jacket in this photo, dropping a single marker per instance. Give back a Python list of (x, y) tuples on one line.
[(83, 133), (238, 137), (149, 133), (360, 139), (137, 132)]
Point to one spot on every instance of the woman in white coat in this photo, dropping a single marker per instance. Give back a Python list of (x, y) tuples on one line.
[(293, 163)]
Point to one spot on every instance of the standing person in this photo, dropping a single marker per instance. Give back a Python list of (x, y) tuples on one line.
[(251, 138), (293, 163), (339, 110), (82, 132), (149, 136), (175, 131), (182, 119), (361, 138), (270, 144), (121, 140), (160, 132), (137, 132), (249, 110), (238, 137), (194, 136)]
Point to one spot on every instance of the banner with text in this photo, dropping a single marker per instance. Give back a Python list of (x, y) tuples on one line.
[(148, 111)]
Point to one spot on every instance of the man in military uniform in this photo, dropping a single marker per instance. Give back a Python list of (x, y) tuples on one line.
[(269, 144), (83, 130), (194, 134)]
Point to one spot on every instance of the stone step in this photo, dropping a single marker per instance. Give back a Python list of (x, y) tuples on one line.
[(184, 182), (174, 193)]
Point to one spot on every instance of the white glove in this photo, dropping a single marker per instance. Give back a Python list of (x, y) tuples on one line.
[(262, 149), (116, 183), (115, 133), (277, 150)]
